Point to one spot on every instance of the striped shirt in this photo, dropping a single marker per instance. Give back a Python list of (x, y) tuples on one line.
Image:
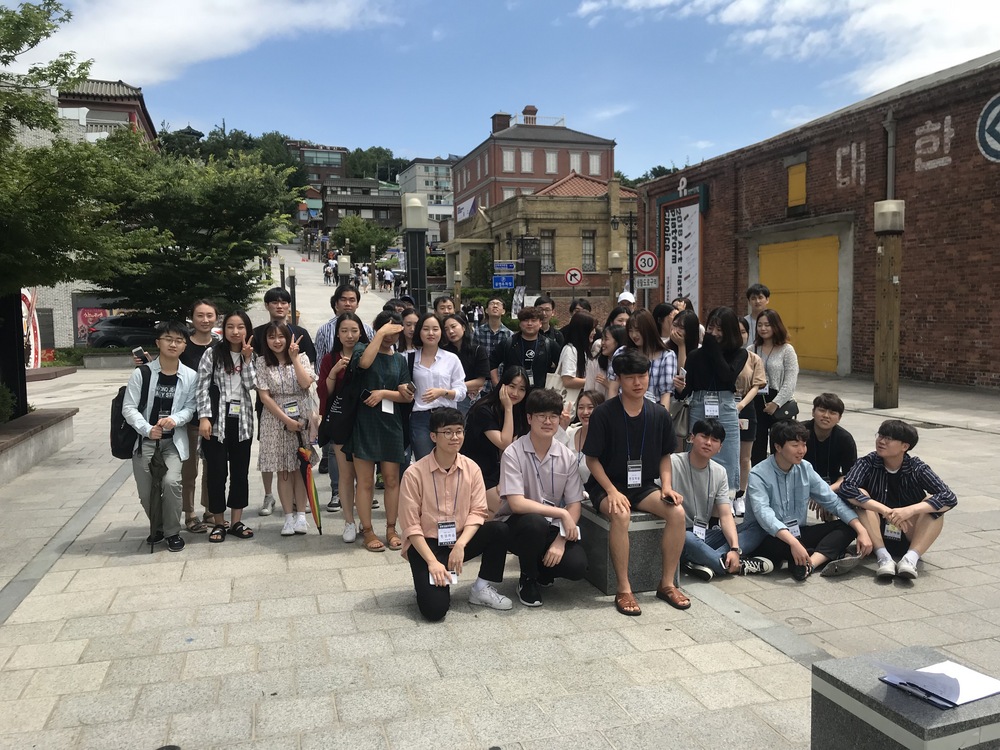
[(208, 373), (917, 483)]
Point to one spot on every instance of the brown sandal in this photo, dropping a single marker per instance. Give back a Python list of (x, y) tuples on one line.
[(371, 541), (674, 597), (627, 605), (392, 538)]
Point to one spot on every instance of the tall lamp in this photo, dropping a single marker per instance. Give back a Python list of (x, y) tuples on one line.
[(629, 221), (291, 293), (889, 219), (415, 242), (615, 281)]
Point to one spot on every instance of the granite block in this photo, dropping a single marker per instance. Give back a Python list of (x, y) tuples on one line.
[(645, 564)]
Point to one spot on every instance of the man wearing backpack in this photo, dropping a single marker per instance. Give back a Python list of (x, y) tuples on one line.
[(168, 404)]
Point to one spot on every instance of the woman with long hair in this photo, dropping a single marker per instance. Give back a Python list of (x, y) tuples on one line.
[(576, 365), (617, 317), (409, 317), (475, 360), (333, 377), (710, 384), (645, 338), (438, 380), (226, 376), (748, 384), (612, 339), (685, 336), (284, 375), (664, 315), (781, 366), (494, 422), (577, 432), (378, 431)]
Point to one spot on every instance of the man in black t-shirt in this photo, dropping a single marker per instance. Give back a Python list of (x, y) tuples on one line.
[(628, 448), (830, 448), (537, 354)]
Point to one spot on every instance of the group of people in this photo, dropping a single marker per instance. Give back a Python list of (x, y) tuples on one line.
[(488, 441)]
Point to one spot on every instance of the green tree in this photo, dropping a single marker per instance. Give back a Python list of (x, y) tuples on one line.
[(625, 180), (362, 235), (480, 271), (376, 161), (220, 217)]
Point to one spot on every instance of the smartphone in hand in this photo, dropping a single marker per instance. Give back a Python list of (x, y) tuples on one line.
[(140, 355)]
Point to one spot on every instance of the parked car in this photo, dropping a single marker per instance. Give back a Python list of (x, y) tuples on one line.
[(123, 331)]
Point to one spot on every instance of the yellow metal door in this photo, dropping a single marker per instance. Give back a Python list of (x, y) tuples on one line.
[(802, 277)]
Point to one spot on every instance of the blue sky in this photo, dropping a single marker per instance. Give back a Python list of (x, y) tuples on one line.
[(672, 81)]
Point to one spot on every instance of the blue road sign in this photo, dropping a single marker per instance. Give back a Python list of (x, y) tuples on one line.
[(504, 266), (503, 282)]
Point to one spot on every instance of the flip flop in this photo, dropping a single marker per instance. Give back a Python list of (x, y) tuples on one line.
[(218, 534), (627, 605), (674, 597)]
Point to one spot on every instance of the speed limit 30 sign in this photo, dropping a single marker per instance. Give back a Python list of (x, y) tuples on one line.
[(646, 262)]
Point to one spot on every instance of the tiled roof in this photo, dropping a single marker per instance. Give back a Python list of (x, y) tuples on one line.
[(105, 90), (576, 185), (548, 134)]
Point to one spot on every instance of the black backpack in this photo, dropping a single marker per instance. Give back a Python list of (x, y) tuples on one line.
[(123, 436)]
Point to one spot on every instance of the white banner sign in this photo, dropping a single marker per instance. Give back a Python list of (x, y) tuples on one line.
[(682, 252), (465, 209)]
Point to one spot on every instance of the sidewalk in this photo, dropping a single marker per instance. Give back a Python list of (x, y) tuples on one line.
[(309, 643)]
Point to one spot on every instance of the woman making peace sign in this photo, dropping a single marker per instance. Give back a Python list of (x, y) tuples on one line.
[(283, 378)]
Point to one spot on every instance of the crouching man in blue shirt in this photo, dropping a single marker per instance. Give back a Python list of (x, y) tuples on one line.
[(779, 492)]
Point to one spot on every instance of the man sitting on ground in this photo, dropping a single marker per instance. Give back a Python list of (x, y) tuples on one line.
[(628, 447), (541, 490), (442, 508), (900, 500), (778, 504), (830, 448), (705, 487)]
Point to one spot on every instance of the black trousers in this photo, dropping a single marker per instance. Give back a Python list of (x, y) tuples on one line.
[(530, 537), (761, 441), (227, 459), (490, 541), (829, 539)]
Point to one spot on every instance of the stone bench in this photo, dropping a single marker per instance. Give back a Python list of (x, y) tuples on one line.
[(852, 708), (645, 565), (29, 439)]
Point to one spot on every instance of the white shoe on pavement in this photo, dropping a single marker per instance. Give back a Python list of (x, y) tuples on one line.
[(350, 532), (886, 570), (300, 527), (906, 569), (289, 528), (488, 596), (267, 507)]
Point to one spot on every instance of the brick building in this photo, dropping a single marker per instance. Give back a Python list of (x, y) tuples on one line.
[(796, 213), (366, 197), (102, 107), (321, 163)]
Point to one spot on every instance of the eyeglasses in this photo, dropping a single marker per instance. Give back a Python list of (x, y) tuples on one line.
[(170, 341), (546, 417), (885, 438), (451, 434)]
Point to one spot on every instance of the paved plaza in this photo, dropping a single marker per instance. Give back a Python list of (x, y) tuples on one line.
[(306, 642)]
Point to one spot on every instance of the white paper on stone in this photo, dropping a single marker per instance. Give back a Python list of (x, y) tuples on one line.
[(948, 680)]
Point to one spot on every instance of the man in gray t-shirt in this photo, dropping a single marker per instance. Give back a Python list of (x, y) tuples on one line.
[(709, 552)]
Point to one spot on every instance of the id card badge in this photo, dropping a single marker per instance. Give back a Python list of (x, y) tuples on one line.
[(166, 433), (531, 378), (552, 521), (793, 526), (700, 529), (234, 408), (447, 534), (892, 532), (387, 406), (711, 404), (291, 409), (634, 469)]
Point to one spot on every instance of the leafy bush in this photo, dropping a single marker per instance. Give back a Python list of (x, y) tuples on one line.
[(435, 266), (6, 404)]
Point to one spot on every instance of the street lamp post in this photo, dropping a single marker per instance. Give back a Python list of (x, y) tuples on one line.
[(615, 277), (629, 221), (291, 293), (281, 267), (458, 289), (415, 241), (889, 217)]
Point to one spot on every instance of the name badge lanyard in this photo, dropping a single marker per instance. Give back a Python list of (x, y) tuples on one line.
[(447, 530), (630, 464), (437, 500), (534, 355), (536, 464)]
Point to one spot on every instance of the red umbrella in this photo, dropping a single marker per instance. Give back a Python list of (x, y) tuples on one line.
[(305, 454)]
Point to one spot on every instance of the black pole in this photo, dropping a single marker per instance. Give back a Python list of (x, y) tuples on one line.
[(281, 267), (416, 266), (631, 254), (291, 292), (12, 372)]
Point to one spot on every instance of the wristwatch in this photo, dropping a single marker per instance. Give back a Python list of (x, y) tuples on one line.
[(737, 550)]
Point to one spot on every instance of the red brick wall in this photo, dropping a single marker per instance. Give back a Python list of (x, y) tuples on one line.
[(950, 330)]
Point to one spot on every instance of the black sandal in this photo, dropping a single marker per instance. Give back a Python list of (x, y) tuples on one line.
[(218, 534), (241, 531)]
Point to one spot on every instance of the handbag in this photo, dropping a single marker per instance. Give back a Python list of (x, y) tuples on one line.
[(554, 381), (680, 414), (788, 411), (342, 409)]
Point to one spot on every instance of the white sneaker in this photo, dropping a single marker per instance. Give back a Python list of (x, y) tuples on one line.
[(886, 569), (906, 569), (300, 527), (267, 507), (289, 528), (350, 532), (490, 597)]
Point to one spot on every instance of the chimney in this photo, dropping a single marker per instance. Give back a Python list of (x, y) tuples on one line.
[(501, 121), (530, 112)]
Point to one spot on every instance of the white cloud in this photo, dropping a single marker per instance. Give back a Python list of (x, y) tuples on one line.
[(796, 115), (610, 113), (702, 145), (146, 42), (888, 41), (438, 34)]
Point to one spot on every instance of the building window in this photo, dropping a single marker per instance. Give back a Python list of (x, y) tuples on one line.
[(589, 250), (547, 246), (527, 161), (574, 163), (366, 213), (383, 213), (486, 163), (797, 185), (508, 160), (509, 193), (478, 175), (595, 164), (551, 162)]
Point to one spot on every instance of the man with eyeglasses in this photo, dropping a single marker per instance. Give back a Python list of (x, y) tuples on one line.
[(900, 500), (540, 492), (169, 405), (546, 306), (443, 512)]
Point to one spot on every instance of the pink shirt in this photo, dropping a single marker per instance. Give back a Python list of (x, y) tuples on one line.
[(429, 494)]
